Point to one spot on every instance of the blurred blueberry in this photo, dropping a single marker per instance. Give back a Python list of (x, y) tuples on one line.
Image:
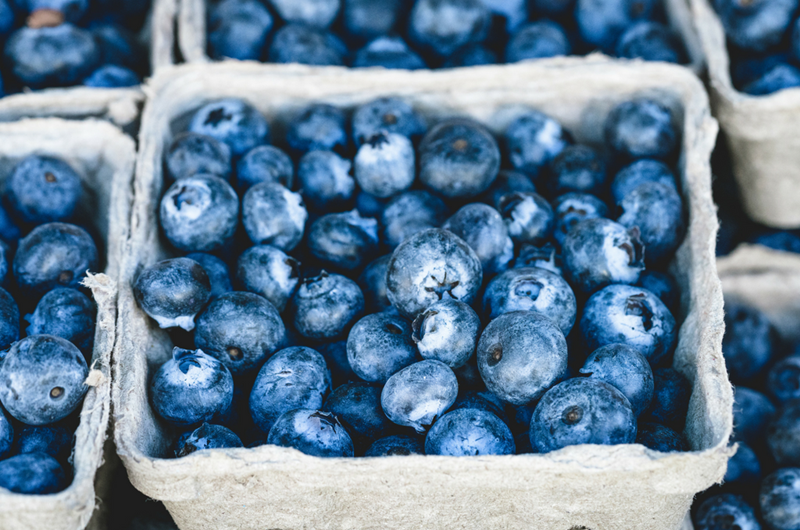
[(112, 76), (752, 413), (783, 379), (746, 68), (217, 270), (190, 154), (273, 215), (314, 13), (367, 19), (743, 467), (778, 77), (634, 175), (671, 394), (528, 216), (72, 10), (537, 40), (369, 205), (207, 436), (550, 7), (32, 474), (486, 401), (725, 509), (42, 189), (380, 345), (7, 16), (297, 43), (448, 332), (312, 432), (397, 445), (755, 26), (577, 168), (483, 229), (9, 231), (52, 440), (663, 286), (659, 438), (335, 354), (624, 368), (390, 115), (390, 53), (326, 306), (344, 241), (650, 41), (409, 213), (507, 182), (642, 128), (231, 121), (372, 282), (780, 499), (657, 211), (419, 394), (778, 240), (783, 434), (471, 55), (265, 163), (749, 341), (469, 432), (173, 292), (317, 127), (325, 179), (385, 164), (9, 320), (65, 313), (544, 257), (532, 140), (238, 29), (118, 46), (602, 22), (572, 208), (442, 26), (6, 436), (267, 271), (358, 407)]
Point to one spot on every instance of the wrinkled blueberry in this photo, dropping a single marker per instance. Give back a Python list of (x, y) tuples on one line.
[(380, 345), (659, 438), (231, 121), (358, 407), (265, 163), (409, 213), (671, 394), (389, 115), (388, 52), (65, 313), (443, 26), (326, 306), (273, 215), (728, 510), (372, 282), (343, 241), (469, 432), (32, 474), (238, 29), (448, 332), (385, 164), (191, 154), (42, 189), (572, 208), (312, 432), (267, 271), (642, 128), (783, 434), (207, 436), (397, 445), (780, 499), (297, 43), (624, 368), (419, 394), (173, 292), (749, 341), (217, 270), (325, 179)]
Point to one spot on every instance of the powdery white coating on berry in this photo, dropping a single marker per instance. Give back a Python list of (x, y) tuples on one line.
[(528, 217), (533, 140), (315, 13), (274, 215), (184, 322), (618, 259), (448, 332), (198, 374), (419, 394), (295, 208), (501, 261), (325, 176), (385, 165), (483, 229), (367, 224), (446, 25)]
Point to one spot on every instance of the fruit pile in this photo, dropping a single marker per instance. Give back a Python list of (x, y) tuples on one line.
[(436, 33), (439, 315), (43, 374)]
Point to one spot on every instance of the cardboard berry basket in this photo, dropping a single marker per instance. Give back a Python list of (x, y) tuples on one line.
[(596, 487), (104, 158)]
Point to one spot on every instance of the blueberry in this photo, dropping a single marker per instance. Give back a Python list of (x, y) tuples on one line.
[(521, 355), (264, 163), (743, 467), (42, 379), (779, 77), (343, 241), (318, 127), (42, 189), (783, 434), (233, 122), (780, 499), (385, 164), (577, 168), (448, 332), (358, 408), (335, 354), (199, 213), (507, 182), (488, 402), (624, 368), (54, 255), (118, 46), (112, 76), (396, 445), (429, 266), (642, 128), (380, 345), (659, 438), (325, 178), (582, 411), (372, 282), (532, 140), (191, 388), (389, 115), (752, 413), (471, 55), (783, 379), (65, 313), (629, 315), (483, 229), (469, 432), (537, 40), (442, 26), (795, 40), (241, 330), (419, 394), (191, 154), (238, 29), (314, 13), (410, 213), (778, 240), (601, 22), (599, 252), (217, 271), (755, 26), (657, 211), (671, 394), (273, 215), (663, 286), (297, 43), (544, 257), (9, 320), (572, 208), (326, 306), (388, 52), (550, 7), (6, 436), (32, 474), (725, 509), (458, 158), (7, 17), (72, 10), (9, 231), (749, 341), (750, 67), (369, 205), (650, 41), (367, 19), (531, 289), (528, 216), (207, 436), (51, 440), (173, 292), (267, 271), (312, 432), (632, 176)]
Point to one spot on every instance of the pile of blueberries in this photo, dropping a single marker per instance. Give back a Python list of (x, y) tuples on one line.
[(60, 43), (435, 308), (762, 484), (420, 34), (43, 367)]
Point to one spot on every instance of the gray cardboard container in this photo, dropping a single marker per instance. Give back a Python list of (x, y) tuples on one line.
[(761, 131), (104, 158)]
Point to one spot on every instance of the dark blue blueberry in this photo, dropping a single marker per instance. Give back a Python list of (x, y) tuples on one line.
[(471, 55), (293, 378), (528, 216), (267, 271), (780, 499), (312, 432), (385, 164), (273, 215), (265, 163), (410, 213), (42, 379), (441, 27), (9, 320), (469, 377), (72, 10), (7, 16), (663, 286), (419, 394), (51, 440), (488, 402), (725, 510), (532, 140), (241, 330), (367, 19), (369, 205), (758, 25), (6, 436), (429, 266), (296, 43), (537, 40), (335, 354), (521, 355), (233, 122), (372, 282), (448, 332), (572, 208), (602, 22), (9, 231), (624, 368), (238, 29), (657, 211), (629, 315), (388, 52), (191, 154), (314, 13), (317, 128), (671, 393), (634, 175), (794, 47), (390, 115), (743, 467), (484, 230), (531, 289), (191, 388), (379, 346), (112, 76), (54, 255), (326, 306), (599, 252), (325, 179), (508, 14), (469, 432), (783, 379), (577, 168), (199, 213), (118, 46), (42, 189), (550, 7), (752, 413), (659, 438), (778, 77), (397, 445), (650, 41), (207, 436), (582, 411), (778, 240), (642, 128), (783, 434), (544, 257), (748, 68), (32, 474), (343, 241), (358, 408), (173, 292), (507, 182), (749, 341), (217, 270), (65, 313)]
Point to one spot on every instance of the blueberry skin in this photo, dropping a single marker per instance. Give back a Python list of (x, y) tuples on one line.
[(32, 474), (528, 216), (544, 257), (441, 27), (42, 189), (521, 355), (273, 215), (537, 40), (659, 438), (343, 241), (752, 413), (749, 341), (173, 292), (755, 26), (743, 467), (779, 77), (385, 164), (447, 332), (369, 205), (297, 43), (532, 140), (112, 76), (7, 17), (65, 313), (419, 394), (118, 46), (582, 411), (783, 434), (633, 175), (372, 282), (318, 127), (780, 499), (661, 285), (325, 179), (53, 441), (783, 379), (507, 182), (191, 154), (54, 255), (550, 7), (314, 13), (599, 252), (750, 67), (238, 29), (293, 378), (725, 509), (217, 271), (335, 354), (458, 158), (312, 432), (483, 229), (389, 115), (642, 128), (397, 445), (367, 19), (233, 122), (778, 240), (469, 432), (9, 320), (571, 208), (191, 388), (207, 436), (358, 407), (6, 436), (9, 231), (267, 271), (488, 402), (429, 266), (390, 53), (241, 330), (650, 41), (629, 315), (42, 379), (671, 394), (265, 163), (601, 23), (471, 55), (657, 211), (410, 213), (624, 368), (531, 289), (577, 168), (326, 306), (379, 346)]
